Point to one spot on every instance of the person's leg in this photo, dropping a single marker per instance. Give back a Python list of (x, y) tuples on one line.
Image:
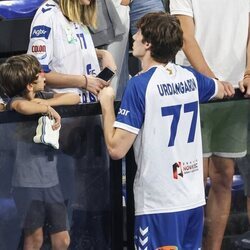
[(33, 240), (57, 218), (228, 141), (221, 172), (31, 213), (205, 170), (248, 210), (244, 169), (60, 241)]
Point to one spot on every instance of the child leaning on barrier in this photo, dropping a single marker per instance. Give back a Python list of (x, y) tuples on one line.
[(23, 82), (36, 189)]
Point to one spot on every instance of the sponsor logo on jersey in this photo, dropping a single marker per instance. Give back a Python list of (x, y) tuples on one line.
[(39, 49), (190, 166), (183, 168), (123, 112), (177, 170), (167, 248), (177, 88), (40, 31)]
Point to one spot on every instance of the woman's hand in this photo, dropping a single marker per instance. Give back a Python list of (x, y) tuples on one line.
[(228, 89), (107, 59), (95, 84)]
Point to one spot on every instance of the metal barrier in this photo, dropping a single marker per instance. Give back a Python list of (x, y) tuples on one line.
[(76, 120)]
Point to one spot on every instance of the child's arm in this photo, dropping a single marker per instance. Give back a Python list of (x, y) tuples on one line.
[(59, 99), (30, 108), (26, 107)]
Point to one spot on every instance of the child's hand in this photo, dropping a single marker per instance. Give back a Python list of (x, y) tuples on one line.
[(54, 115), (2, 107)]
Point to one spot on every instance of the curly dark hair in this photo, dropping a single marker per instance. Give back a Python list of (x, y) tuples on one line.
[(16, 72), (164, 33)]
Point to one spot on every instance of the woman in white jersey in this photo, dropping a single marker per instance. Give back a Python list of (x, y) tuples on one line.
[(61, 41)]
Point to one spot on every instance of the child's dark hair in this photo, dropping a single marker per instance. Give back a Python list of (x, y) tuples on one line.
[(16, 72), (164, 33)]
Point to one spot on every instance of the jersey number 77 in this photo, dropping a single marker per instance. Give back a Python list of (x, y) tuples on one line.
[(175, 111)]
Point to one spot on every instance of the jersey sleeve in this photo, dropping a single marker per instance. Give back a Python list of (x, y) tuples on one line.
[(207, 87), (181, 7), (41, 37), (131, 113)]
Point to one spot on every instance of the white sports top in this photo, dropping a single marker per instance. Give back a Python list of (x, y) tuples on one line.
[(161, 106), (63, 46), (221, 29)]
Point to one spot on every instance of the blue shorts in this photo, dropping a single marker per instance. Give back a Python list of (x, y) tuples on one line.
[(169, 231)]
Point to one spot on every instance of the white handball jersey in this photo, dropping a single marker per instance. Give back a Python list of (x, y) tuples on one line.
[(161, 106), (63, 46), (221, 29)]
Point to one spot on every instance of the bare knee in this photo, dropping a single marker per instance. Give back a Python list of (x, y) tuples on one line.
[(221, 171), (60, 241), (33, 240)]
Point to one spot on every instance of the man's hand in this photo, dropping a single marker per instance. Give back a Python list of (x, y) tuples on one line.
[(228, 89), (244, 86), (106, 94)]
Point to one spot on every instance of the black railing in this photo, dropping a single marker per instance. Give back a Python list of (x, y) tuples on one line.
[(121, 233)]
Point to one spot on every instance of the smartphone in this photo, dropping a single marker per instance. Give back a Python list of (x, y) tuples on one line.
[(106, 74)]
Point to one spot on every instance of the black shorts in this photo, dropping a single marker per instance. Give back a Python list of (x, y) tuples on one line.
[(39, 207)]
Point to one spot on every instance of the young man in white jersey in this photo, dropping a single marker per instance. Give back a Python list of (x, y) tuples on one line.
[(220, 51), (159, 114)]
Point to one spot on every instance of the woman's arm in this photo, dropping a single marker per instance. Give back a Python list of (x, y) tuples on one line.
[(106, 58), (90, 83)]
